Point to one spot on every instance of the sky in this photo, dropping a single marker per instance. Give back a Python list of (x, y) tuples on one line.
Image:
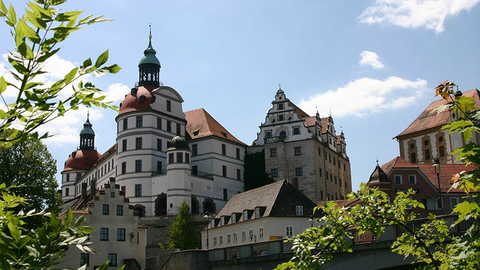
[(373, 65)]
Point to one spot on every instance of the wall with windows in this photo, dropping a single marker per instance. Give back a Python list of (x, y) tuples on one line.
[(116, 235)]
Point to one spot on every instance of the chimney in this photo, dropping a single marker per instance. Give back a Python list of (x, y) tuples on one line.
[(84, 191), (93, 189)]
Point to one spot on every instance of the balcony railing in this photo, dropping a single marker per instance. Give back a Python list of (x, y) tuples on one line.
[(274, 139)]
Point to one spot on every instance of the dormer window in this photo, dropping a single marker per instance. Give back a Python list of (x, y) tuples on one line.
[(259, 211), (299, 210), (247, 214)]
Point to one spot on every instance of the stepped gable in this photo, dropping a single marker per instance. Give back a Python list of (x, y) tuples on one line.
[(201, 124)]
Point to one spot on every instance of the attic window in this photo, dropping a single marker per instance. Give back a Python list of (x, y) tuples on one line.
[(259, 211), (195, 132), (224, 134)]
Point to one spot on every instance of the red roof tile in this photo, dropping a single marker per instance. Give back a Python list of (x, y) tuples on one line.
[(201, 124), (429, 118)]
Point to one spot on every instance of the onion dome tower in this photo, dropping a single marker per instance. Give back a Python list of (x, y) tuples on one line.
[(178, 175), (80, 161), (149, 66)]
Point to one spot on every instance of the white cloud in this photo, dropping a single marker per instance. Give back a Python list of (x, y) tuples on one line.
[(430, 14), (369, 58), (116, 92), (364, 96), (66, 129)]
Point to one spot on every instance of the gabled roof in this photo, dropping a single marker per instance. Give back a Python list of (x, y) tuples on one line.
[(278, 199), (447, 172), (429, 118), (201, 124)]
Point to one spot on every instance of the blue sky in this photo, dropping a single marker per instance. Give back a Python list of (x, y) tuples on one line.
[(372, 64)]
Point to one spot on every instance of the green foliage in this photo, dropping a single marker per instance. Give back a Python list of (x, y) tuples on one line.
[(35, 239), (38, 36), (429, 243), (30, 167), (255, 175), (184, 233), (38, 248)]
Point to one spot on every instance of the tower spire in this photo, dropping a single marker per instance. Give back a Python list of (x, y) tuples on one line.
[(149, 66)]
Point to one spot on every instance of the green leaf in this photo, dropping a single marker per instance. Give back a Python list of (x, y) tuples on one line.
[(3, 84), (26, 31), (3, 9), (12, 16), (102, 59), (36, 21), (70, 76)]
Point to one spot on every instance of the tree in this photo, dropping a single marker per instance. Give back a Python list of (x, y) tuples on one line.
[(24, 242), (431, 245), (255, 175), (184, 233), (37, 36), (29, 165)]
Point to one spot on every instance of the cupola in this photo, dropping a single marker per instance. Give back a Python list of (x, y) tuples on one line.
[(149, 66)]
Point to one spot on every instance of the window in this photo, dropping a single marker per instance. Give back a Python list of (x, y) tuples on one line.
[(178, 129), (427, 154), (159, 166), (441, 150), (237, 153), (159, 123), (268, 134), (125, 123), (159, 145), (453, 202), (260, 232), (67, 191), (319, 151), (297, 150), (298, 171), (138, 143), (281, 117), (413, 157), (288, 231), (124, 167), (105, 209), (299, 210), (84, 259), (245, 215), (112, 194), (273, 152), (398, 179), (194, 149), (195, 170), (244, 235), (280, 106), (138, 190), (171, 158), (139, 121), (169, 106), (235, 238), (224, 171), (239, 174), (169, 126), (225, 194), (220, 240), (224, 150), (187, 158), (179, 157), (112, 257), (120, 234), (124, 145), (274, 172), (103, 234), (138, 165), (412, 179), (119, 210), (229, 238), (296, 130), (250, 234), (214, 240), (320, 172)]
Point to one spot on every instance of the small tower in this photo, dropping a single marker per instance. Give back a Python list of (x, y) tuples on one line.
[(80, 161), (178, 175), (149, 66)]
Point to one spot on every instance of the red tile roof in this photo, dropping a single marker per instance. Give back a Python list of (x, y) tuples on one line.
[(201, 124), (429, 118), (447, 171)]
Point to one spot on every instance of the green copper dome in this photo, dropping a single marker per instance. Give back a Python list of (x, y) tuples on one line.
[(87, 128), (149, 56)]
